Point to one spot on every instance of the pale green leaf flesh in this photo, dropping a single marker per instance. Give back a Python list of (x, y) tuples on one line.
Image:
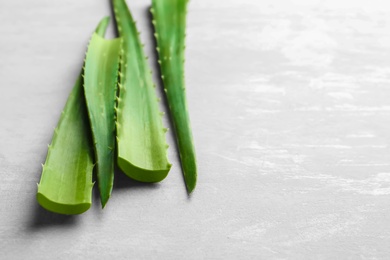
[(170, 23), (100, 86), (66, 181), (141, 145)]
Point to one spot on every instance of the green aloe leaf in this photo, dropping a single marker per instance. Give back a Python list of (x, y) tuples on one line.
[(100, 86), (66, 182), (170, 23), (141, 145)]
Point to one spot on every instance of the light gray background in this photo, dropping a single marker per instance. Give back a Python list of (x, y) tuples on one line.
[(290, 108)]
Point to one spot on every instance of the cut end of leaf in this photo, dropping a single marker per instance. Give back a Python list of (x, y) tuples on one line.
[(62, 208), (141, 174)]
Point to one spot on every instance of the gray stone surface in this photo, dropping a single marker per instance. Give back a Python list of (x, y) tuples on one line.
[(290, 108)]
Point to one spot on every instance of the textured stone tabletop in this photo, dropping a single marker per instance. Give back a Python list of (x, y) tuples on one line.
[(290, 109)]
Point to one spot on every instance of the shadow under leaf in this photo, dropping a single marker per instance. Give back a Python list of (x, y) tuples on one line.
[(42, 218), (122, 181)]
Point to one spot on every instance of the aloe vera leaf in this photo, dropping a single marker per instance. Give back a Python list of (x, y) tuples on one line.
[(169, 19), (100, 86), (66, 181), (141, 145), (102, 26)]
